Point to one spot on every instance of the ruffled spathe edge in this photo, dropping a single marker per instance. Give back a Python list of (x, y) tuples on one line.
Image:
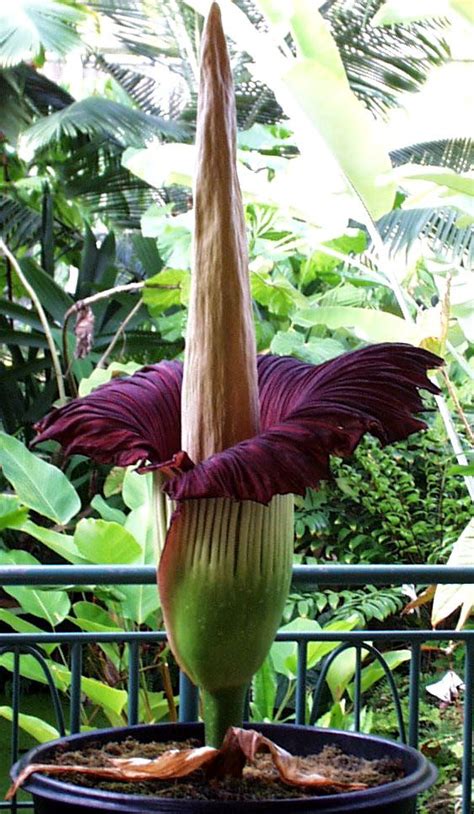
[(123, 422), (307, 413)]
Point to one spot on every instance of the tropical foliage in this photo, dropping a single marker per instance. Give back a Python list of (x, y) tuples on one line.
[(349, 244)]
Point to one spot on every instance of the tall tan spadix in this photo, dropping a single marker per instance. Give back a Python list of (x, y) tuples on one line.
[(220, 394)]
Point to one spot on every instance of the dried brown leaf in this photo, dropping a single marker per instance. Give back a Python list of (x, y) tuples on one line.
[(425, 597), (240, 746)]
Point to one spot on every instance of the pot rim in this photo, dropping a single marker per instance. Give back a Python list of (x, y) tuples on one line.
[(50, 787)]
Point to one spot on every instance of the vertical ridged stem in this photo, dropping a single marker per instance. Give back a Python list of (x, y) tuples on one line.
[(222, 709)]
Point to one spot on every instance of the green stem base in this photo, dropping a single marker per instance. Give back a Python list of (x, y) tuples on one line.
[(222, 709)]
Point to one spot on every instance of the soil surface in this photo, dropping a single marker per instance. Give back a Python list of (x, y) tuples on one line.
[(260, 781)]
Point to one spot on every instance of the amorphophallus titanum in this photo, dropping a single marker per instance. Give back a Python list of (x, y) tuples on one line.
[(231, 436)]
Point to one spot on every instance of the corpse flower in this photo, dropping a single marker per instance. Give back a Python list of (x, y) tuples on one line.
[(231, 437)]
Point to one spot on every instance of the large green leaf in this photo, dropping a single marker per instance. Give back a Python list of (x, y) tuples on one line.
[(139, 602), (101, 375), (328, 105), (109, 698), (12, 513), (60, 543), (374, 671), (441, 176), (24, 339), (39, 485), (106, 511), (275, 293), (27, 26), (315, 351), (93, 617), (367, 324), (264, 691), (21, 625), (36, 727), (283, 654), (167, 288), (152, 706), (342, 671), (104, 542), (53, 606), (53, 298), (136, 489), (18, 312)]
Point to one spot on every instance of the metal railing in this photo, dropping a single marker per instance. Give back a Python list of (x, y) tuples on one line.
[(307, 577)]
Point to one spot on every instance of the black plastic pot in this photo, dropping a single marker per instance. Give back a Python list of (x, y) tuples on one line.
[(52, 796)]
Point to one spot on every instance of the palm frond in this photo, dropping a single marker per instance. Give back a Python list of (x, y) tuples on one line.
[(134, 28), (401, 228), (93, 173), (383, 62), (97, 117), (145, 88), (25, 93), (141, 87), (17, 111), (456, 153), (19, 224), (28, 26), (46, 96)]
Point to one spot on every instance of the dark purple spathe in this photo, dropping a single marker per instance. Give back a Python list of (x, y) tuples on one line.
[(307, 413), (124, 421)]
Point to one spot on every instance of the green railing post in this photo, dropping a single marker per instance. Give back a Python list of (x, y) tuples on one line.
[(188, 700), (133, 683), (414, 695), (357, 688), (468, 727), (300, 708), (76, 674)]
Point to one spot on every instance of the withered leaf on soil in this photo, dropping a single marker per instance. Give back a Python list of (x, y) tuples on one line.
[(240, 746)]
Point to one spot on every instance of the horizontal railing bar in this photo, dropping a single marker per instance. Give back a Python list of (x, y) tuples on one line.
[(303, 575), (309, 575), (283, 636)]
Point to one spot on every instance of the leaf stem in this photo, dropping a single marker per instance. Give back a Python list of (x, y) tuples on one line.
[(43, 319), (120, 330), (455, 398), (104, 295)]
